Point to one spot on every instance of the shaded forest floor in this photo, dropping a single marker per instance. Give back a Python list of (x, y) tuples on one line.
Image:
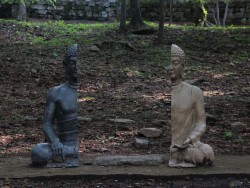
[(126, 78)]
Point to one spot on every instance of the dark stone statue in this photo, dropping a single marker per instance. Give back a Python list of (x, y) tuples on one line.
[(61, 106)]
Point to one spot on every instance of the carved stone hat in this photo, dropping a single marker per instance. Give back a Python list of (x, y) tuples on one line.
[(176, 51), (71, 52)]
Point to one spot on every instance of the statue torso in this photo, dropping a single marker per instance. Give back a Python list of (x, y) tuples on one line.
[(182, 112)]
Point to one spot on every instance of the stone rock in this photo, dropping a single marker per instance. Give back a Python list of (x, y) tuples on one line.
[(91, 3), (111, 14), (139, 160), (244, 21), (141, 143), (210, 117), (38, 7), (80, 13), (238, 127), (94, 48), (106, 4), (58, 17), (238, 15), (72, 13), (43, 12), (161, 122), (82, 118), (120, 120), (104, 14), (150, 132), (234, 184), (112, 1)]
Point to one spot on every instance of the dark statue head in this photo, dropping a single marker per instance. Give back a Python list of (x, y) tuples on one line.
[(69, 63)]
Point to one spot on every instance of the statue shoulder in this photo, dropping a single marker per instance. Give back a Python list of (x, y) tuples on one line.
[(53, 92), (197, 92)]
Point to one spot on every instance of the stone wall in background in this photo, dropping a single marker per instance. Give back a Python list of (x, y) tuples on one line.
[(238, 12), (77, 10)]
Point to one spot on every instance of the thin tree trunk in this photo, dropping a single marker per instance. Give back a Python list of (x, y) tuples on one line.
[(218, 12), (21, 13), (123, 27), (161, 21), (225, 14), (215, 20), (136, 19), (171, 12)]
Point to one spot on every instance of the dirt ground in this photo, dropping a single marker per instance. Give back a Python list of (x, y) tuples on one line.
[(187, 182), (122, 82)]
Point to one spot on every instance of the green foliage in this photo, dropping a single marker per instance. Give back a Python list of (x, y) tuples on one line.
[(228, 134)]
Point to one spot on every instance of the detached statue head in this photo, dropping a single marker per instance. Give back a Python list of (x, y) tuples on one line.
[(177, 63), (69, 63)]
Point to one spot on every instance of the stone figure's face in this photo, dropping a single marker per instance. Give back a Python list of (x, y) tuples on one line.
[(176, 68), (71, 68)]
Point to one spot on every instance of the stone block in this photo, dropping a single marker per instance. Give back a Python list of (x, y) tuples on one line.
[(230, 15), (247, 15), (41, 2), (42, 12), (104, 14), (38, 7), (178, 15), (79, 2), (58, 17), (138, 160), (89, 14), (248, 7), (96, 15), (150, 132), (72, 13), (238, 15), (109, 9), (99, 3), (141, 143), (111, 14), (244, 21), (113, 4), (85, 3), (80, 13), (91, 3), (101, 19), (106, 4), (87, 8), (112, 1)]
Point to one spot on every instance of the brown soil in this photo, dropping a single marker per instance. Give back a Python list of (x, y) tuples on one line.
[(107, 90)]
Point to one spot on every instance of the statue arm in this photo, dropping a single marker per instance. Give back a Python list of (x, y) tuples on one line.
[(199, 116), (48, 126), (49, 118)]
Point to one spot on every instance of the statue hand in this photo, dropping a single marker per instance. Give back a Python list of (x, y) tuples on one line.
[(57, 148), (188, 141)]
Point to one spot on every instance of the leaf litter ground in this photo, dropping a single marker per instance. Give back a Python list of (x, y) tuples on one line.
[(122, 82)]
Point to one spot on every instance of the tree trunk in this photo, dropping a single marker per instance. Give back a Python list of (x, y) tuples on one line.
[(171, 12), (225, 14), (161, 21), (218, 12), (136, 19), (21, 12), (123, 27)]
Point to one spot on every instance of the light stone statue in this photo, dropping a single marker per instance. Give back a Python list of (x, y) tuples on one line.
[(61, 106), (188, 119)]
